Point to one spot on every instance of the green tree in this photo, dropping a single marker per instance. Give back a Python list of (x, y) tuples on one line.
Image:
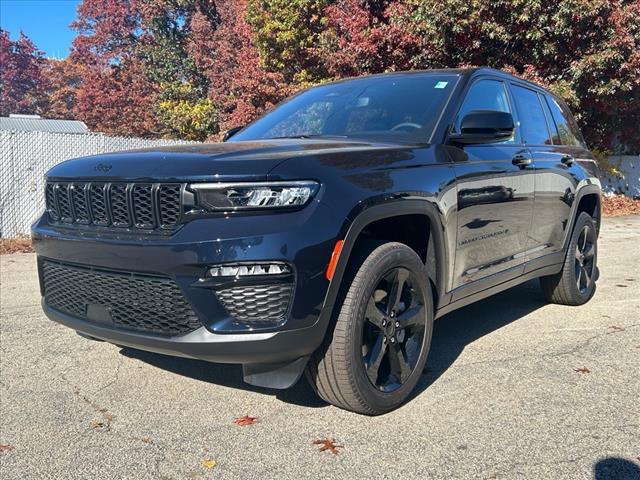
[(182, 105), (286, 34)]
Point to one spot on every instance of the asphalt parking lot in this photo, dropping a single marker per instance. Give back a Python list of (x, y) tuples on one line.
[(503, 397)]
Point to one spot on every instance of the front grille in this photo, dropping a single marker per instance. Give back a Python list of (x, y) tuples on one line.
[(257, 303), (144, 206), (131, 301)]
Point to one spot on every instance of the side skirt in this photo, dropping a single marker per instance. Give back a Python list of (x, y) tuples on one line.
[(474, 297)]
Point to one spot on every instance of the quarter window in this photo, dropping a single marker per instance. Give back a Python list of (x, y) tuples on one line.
[(568, 133), (533, 123)]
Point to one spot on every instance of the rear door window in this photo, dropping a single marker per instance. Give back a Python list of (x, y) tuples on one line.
[(533, 123), (568, 132), (555, 138)]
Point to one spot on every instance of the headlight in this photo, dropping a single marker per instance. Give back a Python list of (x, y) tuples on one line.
[(254, 196)]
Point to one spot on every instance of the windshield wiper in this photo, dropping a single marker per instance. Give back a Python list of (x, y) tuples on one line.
[(307, 136)]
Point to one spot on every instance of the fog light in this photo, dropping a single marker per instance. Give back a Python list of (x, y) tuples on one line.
[(246, 270)]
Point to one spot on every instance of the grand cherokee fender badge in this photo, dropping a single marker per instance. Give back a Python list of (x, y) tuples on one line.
[(102, 167)]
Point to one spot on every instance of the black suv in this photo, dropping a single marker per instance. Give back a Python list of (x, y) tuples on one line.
[(326, 236)]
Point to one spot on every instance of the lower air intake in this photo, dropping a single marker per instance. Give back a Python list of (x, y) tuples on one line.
[(129, 301), (257, 303)]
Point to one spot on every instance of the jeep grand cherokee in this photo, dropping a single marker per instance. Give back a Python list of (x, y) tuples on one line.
[(326, 236)]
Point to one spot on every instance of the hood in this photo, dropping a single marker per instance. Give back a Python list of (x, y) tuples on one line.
[(251, 160)]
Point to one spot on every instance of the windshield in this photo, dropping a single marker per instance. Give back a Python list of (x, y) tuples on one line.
[(390, 107)]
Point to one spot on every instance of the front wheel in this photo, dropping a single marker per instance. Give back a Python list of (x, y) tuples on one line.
[(575, 284), (372, 359)]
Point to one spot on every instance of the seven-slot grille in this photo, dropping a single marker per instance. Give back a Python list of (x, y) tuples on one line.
[(147, 206), (131, 301)]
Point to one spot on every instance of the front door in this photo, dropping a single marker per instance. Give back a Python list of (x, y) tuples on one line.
[(495, 192)]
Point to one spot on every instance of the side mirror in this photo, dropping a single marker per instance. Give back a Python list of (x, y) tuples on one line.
[(484, 126), (230, 133)]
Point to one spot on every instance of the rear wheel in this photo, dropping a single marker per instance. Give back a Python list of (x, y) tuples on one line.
[(372, 359), (575, 284)]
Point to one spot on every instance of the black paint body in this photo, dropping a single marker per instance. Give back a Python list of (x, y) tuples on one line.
[(490, 225)]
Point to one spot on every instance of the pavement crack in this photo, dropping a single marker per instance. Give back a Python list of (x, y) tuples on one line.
[(106, 416), (116, 376), (580, 345)]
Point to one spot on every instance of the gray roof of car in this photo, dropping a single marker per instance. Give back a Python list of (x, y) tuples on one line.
[(34, 123)]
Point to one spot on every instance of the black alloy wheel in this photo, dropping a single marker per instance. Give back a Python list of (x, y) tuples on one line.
[(393, 333), (585, 253)]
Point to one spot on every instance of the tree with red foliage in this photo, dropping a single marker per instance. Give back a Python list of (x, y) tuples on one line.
[(240, 87), (586, 51), (115, 96), (118, 100), (23, 88), (64, 78), (368, 37)]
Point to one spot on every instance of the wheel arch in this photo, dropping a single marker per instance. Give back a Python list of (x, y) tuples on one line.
[(366, 216), (587, 199)]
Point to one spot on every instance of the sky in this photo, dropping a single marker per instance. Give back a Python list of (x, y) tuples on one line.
[(45, 22)]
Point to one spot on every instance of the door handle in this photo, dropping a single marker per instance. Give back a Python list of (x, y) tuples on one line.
[(568, 160), (521, 160)]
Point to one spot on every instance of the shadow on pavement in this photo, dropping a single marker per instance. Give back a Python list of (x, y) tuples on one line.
[(614, 468), (452, 333), (226, 375)]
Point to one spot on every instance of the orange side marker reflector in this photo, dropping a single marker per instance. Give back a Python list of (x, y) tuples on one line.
[(334, 259)]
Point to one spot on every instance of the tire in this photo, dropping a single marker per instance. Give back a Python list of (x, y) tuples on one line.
[(373, 357), (575, 284)]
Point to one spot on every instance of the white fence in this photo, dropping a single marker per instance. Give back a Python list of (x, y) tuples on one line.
[(26, 156)]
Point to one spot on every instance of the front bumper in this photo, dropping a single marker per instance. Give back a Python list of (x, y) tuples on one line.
[(244, 348), (302, 239)]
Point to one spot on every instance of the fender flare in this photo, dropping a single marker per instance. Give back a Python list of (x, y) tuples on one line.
[(588, 189), (363, 216)]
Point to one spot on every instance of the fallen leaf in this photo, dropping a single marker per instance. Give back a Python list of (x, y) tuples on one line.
[(615, 205), (615, 328), (328, 444), (209, 463), (246, 420), (99, 425), (6, 448), (143, 440), (582, 370)]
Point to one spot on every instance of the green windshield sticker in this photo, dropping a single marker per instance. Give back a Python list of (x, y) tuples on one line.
[(441, 84)]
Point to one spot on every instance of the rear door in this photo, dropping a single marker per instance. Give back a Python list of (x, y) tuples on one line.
[(555, 145), (495, 191)]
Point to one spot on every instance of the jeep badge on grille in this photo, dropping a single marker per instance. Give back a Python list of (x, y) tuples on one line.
[(102, 167)]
